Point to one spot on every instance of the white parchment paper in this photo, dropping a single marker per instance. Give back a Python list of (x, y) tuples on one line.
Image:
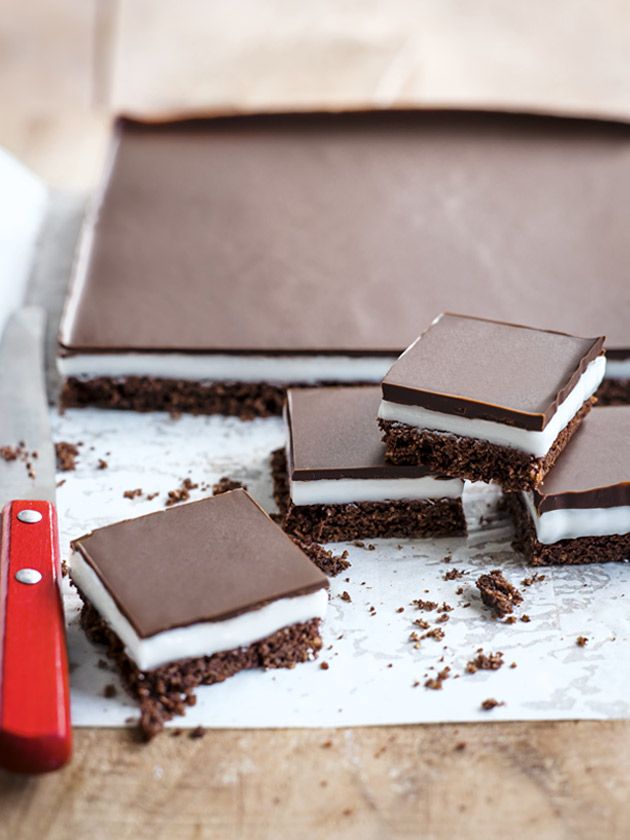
[(375, 674)]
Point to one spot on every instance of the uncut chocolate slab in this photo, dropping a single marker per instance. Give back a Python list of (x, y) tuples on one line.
[(487, 400), (268, 212)]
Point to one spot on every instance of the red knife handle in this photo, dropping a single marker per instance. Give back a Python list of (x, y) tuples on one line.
[(35, 732)]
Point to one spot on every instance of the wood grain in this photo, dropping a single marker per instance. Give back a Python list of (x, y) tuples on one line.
[(542, 780)]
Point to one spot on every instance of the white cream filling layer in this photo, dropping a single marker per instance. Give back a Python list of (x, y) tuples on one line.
[(341, 491), (204, 638), (618, 369), (537, 443), (570, 523), (225, 367)]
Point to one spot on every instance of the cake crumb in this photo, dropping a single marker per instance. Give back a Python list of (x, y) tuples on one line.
[(329, 563), (535, 578), (427, 606), (345, 596), (66, 454), (460, 745), (491, 703), (110, 691), (525, 618), (102, 464), (436, 683), (421, 623), (498, 593), (453, 574), (327, 744), (485, 662), (324, 666), (197, 732), (581, 641), (225, 484), (132, 494)]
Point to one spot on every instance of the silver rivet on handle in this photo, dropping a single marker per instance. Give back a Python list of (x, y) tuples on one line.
[(29, 576), (30, 517)]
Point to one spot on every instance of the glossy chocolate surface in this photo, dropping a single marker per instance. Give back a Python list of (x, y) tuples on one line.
[(594, 469), (490, 370), (205, 561), (347, 233)]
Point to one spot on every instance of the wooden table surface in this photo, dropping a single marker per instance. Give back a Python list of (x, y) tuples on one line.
[(60, 65)]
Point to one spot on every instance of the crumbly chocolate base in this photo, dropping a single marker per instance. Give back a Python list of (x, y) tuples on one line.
[(614, 392), (166, 691), (364, 520), (245, 400), (564, 552), (477, 460)]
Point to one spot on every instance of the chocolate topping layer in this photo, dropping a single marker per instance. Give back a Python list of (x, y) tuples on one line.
[(333, 433), (490, 370), (205, 561), (347, 232), (594, 470)]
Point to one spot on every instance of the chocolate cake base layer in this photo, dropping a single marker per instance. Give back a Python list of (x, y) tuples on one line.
[(166, 691), (564, 552), (364, 520), (614, 392), (245, 400), (477, 460)]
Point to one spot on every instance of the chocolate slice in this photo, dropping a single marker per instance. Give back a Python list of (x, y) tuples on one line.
[(487, 400), (192, 595), (581, 511), (490, 370), (337, 484)]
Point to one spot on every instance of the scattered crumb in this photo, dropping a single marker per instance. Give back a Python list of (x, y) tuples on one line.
[(103, 664), (490, 704), (102, 464), (181, 493), (445, 608), (66, 454), (436, 683), (132, 494), (347, 812), (421, 623), (498, 593), (345, 596), (459, 590), (453, 574), (513, 665), (175, 733), (485, 662), (329, 563), (151, 496), (327, 745), (197, 732), (110, 691), (511, 619), (61, 482), (460, 745), (65, 568), (371, 547), (525, 618), (324, 666), (400, 610), (427, 606), (20, 453), (444, 617), (581, 641), (225, 484), (436, 633), (535, 578)]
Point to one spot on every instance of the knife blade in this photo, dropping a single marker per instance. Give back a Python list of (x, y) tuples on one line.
[(35, 733)]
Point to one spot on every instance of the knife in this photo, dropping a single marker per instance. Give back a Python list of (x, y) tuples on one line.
[(35, 732)]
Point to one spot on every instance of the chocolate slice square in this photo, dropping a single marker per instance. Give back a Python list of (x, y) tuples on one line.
[(333, 482), (193, 594), (209, 274), (487, 400), (581, 511)]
